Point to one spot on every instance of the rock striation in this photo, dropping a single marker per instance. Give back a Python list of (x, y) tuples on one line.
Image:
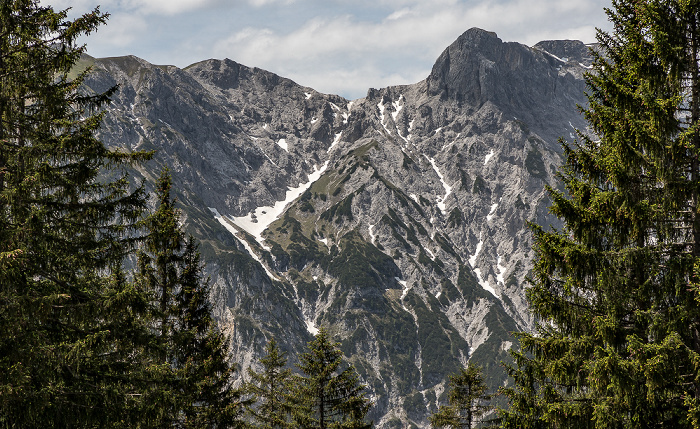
[(398, 221)]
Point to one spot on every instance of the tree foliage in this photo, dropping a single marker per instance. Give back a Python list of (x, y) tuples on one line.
[(198, 390), (67, 341), (616, 289), (80, 344), (328, 396), (271, 402), (466, 400)]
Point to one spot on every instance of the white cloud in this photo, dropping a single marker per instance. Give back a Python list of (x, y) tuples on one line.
[(79, 5), (167, 7), (123, 30), (407, 3), (340, 51), (142, 7), (342, 36), (354, 82), (261, 3), (331, 45)]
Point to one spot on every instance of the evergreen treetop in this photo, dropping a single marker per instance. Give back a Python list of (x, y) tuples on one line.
[(619, 340), (271, 402), (197, 391), (66, 352), (328, 396), (466, 400)]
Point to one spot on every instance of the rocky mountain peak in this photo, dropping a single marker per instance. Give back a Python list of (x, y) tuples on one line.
[(228, 75), (479, 68), (568, 51), (397, 221), (478, 39), (453, 75), (224, 74)]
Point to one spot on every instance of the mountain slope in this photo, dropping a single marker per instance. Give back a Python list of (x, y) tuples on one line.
[(398, 221)]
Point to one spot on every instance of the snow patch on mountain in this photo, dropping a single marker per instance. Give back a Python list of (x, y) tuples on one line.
[(283, 144), (397, 107), (381, 108), (335, 141), (563, 60), (404, 292), (372, 236), (501, 271), (226, 223), (402, 137), (492, 213), (257, 221), (255, 142), (311, 327), (448, 189), (410, 128), (270, 159), (472, 258), (485, 283)]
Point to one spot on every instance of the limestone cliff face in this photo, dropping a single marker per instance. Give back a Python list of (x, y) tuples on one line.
[(398, 220)]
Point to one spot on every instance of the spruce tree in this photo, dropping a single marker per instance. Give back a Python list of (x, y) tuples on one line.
[(69, 331), (616, 290), (270, 407), (196, 390), (328, 396), (466, 400), (211, 401), (157, 275)]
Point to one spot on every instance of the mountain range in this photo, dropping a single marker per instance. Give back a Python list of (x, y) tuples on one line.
[(398, 221)]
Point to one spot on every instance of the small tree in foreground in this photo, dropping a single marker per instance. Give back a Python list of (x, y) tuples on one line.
[(198, 391), (466, 400), (328, 397), (271, 403)]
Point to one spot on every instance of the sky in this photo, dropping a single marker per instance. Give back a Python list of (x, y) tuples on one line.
[(339, 47)]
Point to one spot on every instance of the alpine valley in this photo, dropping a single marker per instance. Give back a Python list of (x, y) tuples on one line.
[(397, 221)]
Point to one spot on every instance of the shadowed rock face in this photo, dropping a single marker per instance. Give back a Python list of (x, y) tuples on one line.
[(530, 84), (568, 51), (397, 220)]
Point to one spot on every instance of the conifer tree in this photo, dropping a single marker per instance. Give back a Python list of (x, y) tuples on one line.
[(328, 397), (270, 407), (616, 290), (466, 400), (211, 401), (157, 275), (196, 391), (68, 335)]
